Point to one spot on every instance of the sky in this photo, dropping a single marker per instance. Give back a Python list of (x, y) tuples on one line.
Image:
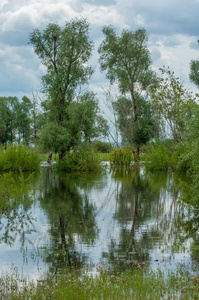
[(172, 26)]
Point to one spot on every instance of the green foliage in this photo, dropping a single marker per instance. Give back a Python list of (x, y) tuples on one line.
[(125, 55), (15, 158), (158, 158), (70, 119), (172, 103), (188, 158), (8, 116), (19, 120), (126, 59), (79, 161), (194, 71), (135, 131), (121, 157), (101, 147)]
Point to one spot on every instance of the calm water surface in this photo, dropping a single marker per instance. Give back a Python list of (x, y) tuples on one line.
[(95, 221)]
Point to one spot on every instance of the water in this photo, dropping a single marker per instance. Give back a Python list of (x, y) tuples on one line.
[(95, 221)]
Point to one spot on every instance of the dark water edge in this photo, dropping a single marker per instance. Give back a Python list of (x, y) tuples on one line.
[(118, 218)]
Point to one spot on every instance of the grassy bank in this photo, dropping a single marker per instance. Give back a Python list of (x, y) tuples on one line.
[(135, 284)]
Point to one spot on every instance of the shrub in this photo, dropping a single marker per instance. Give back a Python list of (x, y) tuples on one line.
[(15, 158), (79, 161), (121, 157), (101, 147), (158, 158)]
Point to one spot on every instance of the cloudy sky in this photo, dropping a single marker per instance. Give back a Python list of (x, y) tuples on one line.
[(172, 25)]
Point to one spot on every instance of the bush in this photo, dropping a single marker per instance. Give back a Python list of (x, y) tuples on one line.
[(101, 147), (158, 158), (121, 157), (15, 158), (81, 161)]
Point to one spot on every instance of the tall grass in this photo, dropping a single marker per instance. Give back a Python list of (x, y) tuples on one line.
[(121, 157), (18, 157), (133, 285)]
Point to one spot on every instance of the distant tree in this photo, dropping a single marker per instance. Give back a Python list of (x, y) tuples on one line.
[(126, 59), (23, 120), (65, 53), (135, 132), (8, 126), (194, 71)]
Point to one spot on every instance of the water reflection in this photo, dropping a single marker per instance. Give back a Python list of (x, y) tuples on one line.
[(147, 213), (16, 219), (71, 219), (116, 217)]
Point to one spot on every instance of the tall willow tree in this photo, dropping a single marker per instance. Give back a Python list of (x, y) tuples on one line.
[(126, 59), (65, 53)]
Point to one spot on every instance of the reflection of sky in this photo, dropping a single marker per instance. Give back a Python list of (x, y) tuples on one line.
[(104, 198)]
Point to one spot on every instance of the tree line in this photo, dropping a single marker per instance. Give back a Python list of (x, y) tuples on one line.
[(148, 105)]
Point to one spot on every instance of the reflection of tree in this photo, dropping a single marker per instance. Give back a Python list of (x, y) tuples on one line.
[(71, 218), (190, 221), (16, 219), (146, 211)]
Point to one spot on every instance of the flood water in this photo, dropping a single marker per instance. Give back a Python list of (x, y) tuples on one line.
[(57, 220)]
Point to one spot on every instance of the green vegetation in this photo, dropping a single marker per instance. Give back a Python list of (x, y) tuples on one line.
[(79, 161), (127, 61), (158, 158), (194, 71), (101, 147), (121, 157), (71, 117), (149, 107), (15, 158), (134, 284)]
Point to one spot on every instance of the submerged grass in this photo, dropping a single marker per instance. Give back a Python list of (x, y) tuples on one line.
[(135, 284)]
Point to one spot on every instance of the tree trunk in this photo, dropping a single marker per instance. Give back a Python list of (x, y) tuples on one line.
[(61, 155), (49, 157), (137, 155)]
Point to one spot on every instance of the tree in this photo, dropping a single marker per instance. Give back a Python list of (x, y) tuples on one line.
[(127, 62), (8, 107), (194, 71), (65, 53), (139, 131), (23, 120), (172, 103)]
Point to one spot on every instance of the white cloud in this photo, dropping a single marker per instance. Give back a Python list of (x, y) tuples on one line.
[(172, 26)]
